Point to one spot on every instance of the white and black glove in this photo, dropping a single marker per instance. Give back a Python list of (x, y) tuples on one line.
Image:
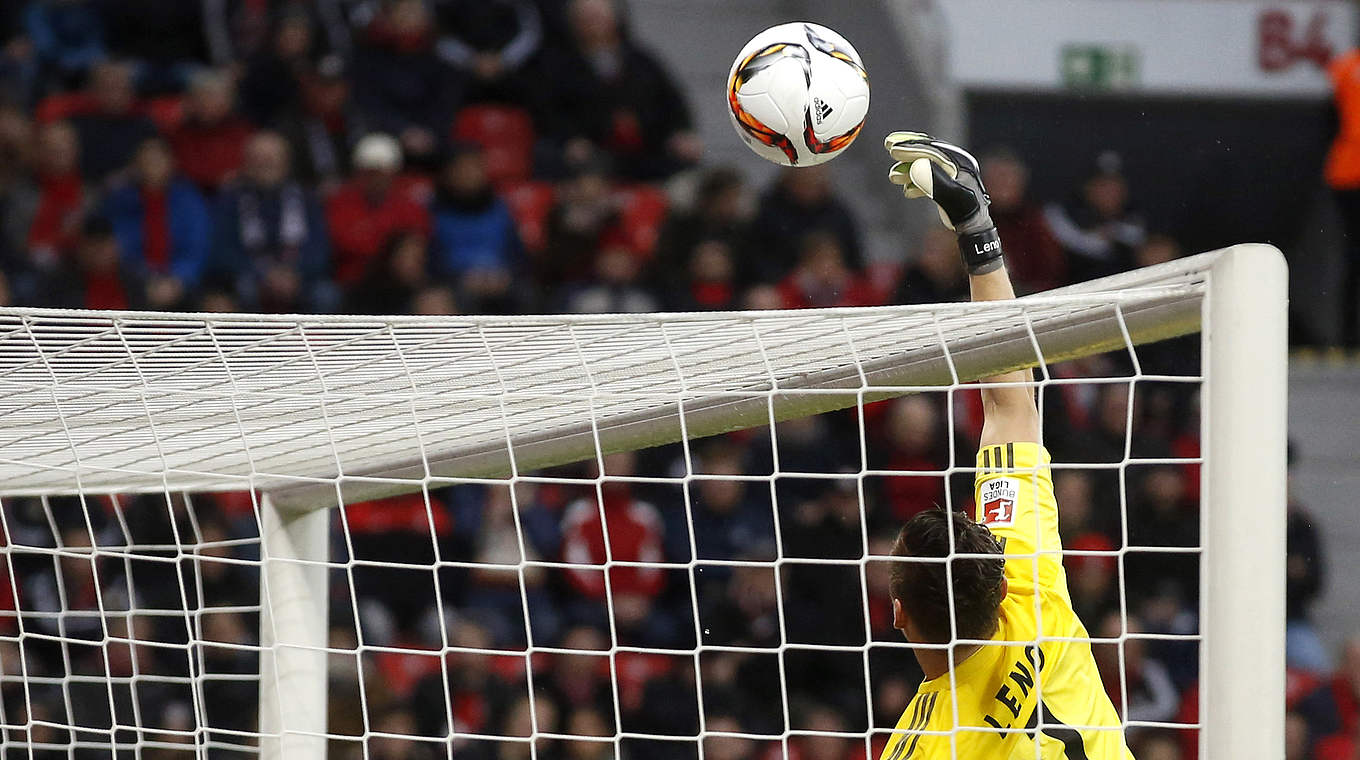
[(950, 176)]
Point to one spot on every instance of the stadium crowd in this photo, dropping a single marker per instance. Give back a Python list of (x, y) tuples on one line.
[(515, 156)]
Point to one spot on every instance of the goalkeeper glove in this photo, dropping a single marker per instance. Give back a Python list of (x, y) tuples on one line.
[(950, 176)]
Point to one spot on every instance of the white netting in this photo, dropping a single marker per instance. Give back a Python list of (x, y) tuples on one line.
[(502, 585)]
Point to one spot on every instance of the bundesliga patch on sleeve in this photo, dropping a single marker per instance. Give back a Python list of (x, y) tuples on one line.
[(998, 500)]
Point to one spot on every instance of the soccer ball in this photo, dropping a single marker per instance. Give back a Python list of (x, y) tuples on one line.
[(798, 94)]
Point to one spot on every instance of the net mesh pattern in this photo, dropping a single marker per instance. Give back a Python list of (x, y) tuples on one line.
[(541, 557)]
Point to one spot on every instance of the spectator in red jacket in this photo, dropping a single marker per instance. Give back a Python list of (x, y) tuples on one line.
[(367, 211), (61, 195), (210, 143), (635, 534), (1036, 261)]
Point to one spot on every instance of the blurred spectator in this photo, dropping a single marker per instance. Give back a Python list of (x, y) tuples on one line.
[(434, 300), (393, 277), (114, 127), (1160, 517), (589, 722), (584, 221), (163, 227), (801, 201), (719, 746), (77, 585), (490, 41), (635, 534), (67, 38), (934, 276), (476, 244), (1097, 229), (1342, 174), (61, 196), (721, 213), (18, 62), (1156, 744), (1304, 577), (324, 126), (520, 720), (476, 694), (912, 440), (211, 140), (710, 281), (18, 197), (272, 78), (1156, 249), (743, 610), (390, 741), (614, 289), (1073, 490), (729, 519), (92, 276), (1334, 709), (1298, 743), (1034, 257), (271, 237), (823, 603), (496, 595), (601, 90), (580, 680), (822, 743), (366, 212), (823, 277), (1143, 681), (400, 84), (1093, 580), (167, 39)]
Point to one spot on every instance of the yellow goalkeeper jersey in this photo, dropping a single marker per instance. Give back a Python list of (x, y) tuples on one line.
[(1035, 694)]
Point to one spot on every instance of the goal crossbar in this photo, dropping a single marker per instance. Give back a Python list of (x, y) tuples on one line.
[(145, 402)]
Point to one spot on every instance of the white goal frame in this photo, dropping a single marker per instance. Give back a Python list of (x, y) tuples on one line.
[(1236, 298)]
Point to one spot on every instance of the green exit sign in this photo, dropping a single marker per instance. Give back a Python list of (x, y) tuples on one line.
[(1100, 67)]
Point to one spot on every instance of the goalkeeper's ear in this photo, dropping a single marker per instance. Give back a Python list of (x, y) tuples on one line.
[(900, 620)]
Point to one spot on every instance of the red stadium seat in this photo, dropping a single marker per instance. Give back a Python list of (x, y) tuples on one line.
[(643, 209), (530, 202), (506, 134)]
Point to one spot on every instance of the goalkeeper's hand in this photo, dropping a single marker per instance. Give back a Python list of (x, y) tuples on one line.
[(950, 176)]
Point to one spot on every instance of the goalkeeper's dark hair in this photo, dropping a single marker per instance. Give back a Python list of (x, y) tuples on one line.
[(922, 588)]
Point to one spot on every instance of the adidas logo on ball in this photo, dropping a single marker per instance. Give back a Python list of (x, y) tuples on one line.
[(822, 110)]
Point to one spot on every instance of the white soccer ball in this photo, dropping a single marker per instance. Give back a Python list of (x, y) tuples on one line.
[(798, 94)]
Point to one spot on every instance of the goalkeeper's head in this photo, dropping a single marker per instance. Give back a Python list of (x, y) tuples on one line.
[(921, 590)]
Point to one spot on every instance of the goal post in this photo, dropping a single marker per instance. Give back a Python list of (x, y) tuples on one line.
[(311, 412), (1242, 598)]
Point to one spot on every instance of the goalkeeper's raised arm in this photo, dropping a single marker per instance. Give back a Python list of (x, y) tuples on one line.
[(1001, 603), (949, 175)]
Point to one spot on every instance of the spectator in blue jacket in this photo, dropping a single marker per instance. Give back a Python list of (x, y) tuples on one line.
[(270, 241), (475, 242), (163, 226), (67, 37)]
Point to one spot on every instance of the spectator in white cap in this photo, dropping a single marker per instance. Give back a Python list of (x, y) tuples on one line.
[(371, 208)]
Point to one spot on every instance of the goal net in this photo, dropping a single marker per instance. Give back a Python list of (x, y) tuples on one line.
[(615, 536)]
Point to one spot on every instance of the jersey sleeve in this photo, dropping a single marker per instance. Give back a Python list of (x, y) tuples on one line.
[(1014, 498)]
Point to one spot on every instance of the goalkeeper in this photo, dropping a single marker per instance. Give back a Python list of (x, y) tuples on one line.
[(1019, 678)]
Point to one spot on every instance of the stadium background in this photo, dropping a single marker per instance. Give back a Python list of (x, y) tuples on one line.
[(568, 155)]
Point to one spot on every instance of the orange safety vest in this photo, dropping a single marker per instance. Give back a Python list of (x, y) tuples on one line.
[(1343, 160)]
